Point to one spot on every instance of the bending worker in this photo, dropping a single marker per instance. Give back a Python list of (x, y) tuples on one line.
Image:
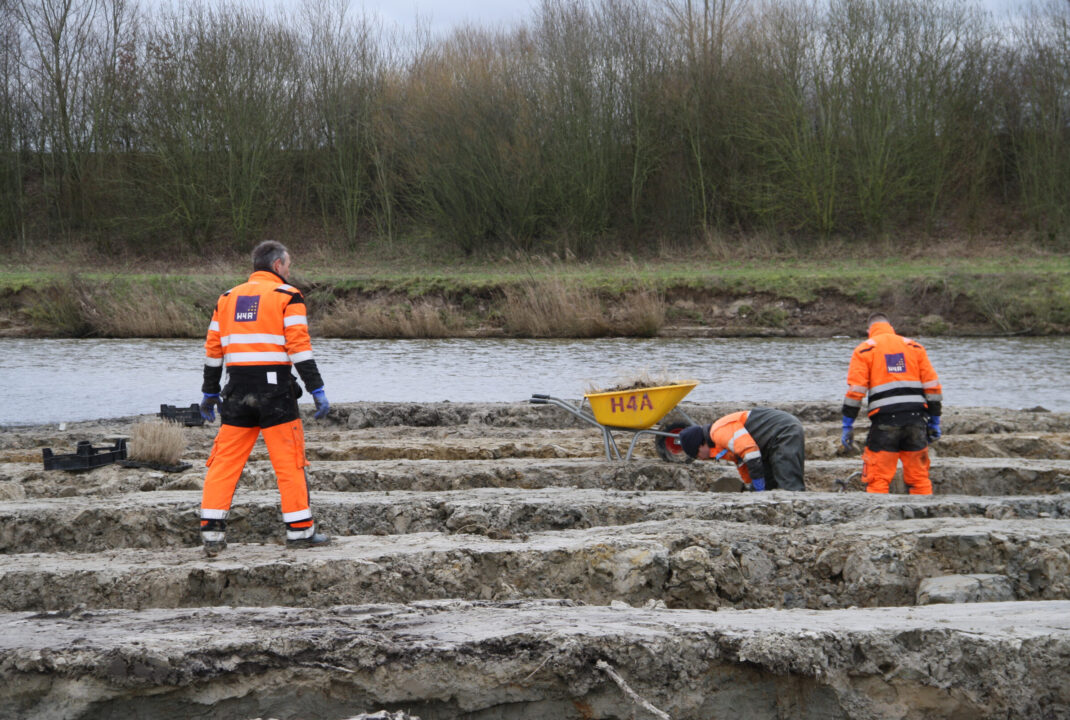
[(768, 447), (904, 407), (258, 331)]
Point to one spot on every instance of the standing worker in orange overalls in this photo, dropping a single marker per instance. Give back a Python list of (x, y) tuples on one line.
[(904, 407), (259, 330)]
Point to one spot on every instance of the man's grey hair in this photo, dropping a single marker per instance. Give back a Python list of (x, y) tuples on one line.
[(877, 317), (266, 253)]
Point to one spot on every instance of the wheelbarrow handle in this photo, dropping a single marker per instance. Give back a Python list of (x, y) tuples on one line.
[(539, 399)]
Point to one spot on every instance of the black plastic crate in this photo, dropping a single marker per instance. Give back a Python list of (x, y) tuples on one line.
[(187, 416), (85, 456)]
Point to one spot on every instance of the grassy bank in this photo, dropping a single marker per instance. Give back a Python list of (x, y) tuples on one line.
[(817, 295)]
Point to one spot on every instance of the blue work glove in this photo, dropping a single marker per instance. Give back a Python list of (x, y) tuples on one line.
[(208, 405), (848, 436), (933, 428), (757, 484), (322, 406)]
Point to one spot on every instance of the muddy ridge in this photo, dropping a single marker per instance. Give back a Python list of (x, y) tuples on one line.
[(489, 562)]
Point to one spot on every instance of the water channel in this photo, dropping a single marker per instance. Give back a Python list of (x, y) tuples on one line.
[(51, 381)]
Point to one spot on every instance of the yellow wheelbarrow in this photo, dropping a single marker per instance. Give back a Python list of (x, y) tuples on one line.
[(635, 411)]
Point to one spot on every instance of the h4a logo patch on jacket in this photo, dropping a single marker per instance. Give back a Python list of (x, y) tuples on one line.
[(896, 362), (246, 307)]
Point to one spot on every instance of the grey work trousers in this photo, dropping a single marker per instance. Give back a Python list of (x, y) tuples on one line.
[(781, 440)]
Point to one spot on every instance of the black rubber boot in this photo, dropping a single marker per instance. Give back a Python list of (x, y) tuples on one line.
[(211, 549), (317, 539)]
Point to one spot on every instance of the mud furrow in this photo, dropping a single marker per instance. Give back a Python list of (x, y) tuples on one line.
[(170, 518), (453, 659), (950, 476), (702, 564)]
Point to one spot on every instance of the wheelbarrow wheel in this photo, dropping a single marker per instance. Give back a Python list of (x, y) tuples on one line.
[(669, 448)]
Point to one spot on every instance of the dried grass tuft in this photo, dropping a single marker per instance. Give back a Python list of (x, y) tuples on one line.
[(376, 319), (640, 314), (556, 308), (81, 307), (157, 441), (553, 308)]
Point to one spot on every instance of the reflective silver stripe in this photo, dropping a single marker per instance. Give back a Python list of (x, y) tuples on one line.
[(914, 384), (297, 515), (214, 325), (250, 338), (896, 400), (933, 397), (213, 536), (732, 441), (213, 362), (208, 514), (851, 402), (301, 534), (257, 357), (931, 383), (301, 356), (285, 287), (751, 456), (857, 388), (295, 320)]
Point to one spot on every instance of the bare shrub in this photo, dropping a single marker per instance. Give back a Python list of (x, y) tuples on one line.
[(378, 319), (157, 441)]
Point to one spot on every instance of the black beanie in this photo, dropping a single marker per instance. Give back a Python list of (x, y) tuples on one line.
[(690, 438)]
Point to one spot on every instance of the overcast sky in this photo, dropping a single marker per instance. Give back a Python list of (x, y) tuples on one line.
[(444, 14)]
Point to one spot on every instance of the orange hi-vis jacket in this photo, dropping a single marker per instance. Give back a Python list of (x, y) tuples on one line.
[(730, 440), (259, 324), (896, 373)]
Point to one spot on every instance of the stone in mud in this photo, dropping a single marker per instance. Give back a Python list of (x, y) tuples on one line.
[(11, 491), (965, 589)]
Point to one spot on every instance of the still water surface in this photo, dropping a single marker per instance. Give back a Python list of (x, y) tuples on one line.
[(43, 381)]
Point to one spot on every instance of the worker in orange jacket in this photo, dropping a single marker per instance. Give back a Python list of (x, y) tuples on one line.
[(259, 330), (768, 447), (904, 407)]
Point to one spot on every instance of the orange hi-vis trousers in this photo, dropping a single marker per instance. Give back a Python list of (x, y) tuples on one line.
[(286, 447), (878, 468)]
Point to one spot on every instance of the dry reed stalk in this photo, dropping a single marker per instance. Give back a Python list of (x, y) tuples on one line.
[(147, 317), (376, 319), (157, 441), (553, 308), (82, 307), (640, 314)]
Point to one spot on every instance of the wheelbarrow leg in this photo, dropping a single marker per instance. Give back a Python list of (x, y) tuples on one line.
[(610, 442), (638, 434), (631, 446)]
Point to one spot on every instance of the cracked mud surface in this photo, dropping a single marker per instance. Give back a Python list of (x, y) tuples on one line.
[(487, 556)]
